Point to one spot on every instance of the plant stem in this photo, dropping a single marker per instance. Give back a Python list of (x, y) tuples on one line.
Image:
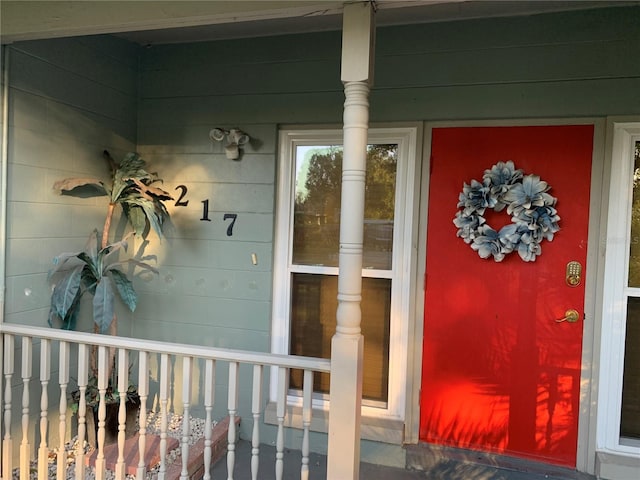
[(93, 361), (107, 225)]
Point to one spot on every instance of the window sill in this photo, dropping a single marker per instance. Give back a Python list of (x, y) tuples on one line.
[(616, 466), (384, 430)]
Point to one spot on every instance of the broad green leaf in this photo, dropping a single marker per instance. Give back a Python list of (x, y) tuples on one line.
[(71, 320), (150, 213), (67, 323), (52, 315), (149, 192), (158, 192), (81, 187), (59, 262), (136, 217), (92, 265), (131, 163), (103, 305), (89, 279), (125, 288), (119, 186), (154, 220), (66, 290)]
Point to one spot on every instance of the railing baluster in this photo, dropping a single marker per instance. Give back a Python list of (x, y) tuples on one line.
[(27, 344), (123, 386), (164, 395), (63, 380), (102, 411), (7, 442), (283, 387), (45, 376), (83, 374), (209, 389), (143, 392), (233, 409), (256, 407), (307, 389), (186, 420), (123, 346)]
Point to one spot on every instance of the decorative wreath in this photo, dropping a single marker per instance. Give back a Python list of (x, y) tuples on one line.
[(532, 211)]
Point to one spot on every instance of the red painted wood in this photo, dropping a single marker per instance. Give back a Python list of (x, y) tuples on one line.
[(499, 374)]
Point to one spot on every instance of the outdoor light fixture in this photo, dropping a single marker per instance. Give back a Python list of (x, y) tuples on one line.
[(235, 139)]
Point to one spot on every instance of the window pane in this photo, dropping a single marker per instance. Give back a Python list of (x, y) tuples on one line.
[(313, 323), (630, 417), (634, 254), (316, 231)]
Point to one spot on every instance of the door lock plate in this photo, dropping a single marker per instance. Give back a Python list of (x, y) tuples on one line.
[(573, 274)]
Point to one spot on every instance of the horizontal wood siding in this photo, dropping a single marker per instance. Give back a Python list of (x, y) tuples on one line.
[(562, 64), (69, 100)]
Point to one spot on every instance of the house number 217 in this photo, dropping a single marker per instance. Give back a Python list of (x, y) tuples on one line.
[(181, 202)]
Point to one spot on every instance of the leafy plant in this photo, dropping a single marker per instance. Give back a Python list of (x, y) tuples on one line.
[(98, 272)]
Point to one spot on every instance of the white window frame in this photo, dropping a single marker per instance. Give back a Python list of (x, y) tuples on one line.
[(616, 291), (405, 202)]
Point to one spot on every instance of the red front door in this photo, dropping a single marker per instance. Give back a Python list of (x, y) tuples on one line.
[(500, 374)]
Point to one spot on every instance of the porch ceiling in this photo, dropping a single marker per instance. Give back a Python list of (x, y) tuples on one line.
[(159, 22)]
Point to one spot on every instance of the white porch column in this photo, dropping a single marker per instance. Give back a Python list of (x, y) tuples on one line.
[(346, 345)]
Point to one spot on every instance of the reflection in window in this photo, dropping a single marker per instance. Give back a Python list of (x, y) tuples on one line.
[(634, 250), (316, 230)]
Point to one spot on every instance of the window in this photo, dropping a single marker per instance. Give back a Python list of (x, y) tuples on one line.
[(630, 409), (619, 397), (306, 259)]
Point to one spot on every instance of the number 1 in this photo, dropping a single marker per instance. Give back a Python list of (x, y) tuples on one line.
[(205, 211)]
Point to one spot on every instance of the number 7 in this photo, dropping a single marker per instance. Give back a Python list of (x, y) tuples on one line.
[(233, 217)]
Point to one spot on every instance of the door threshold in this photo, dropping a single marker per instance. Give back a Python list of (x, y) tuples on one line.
[(436, 458)]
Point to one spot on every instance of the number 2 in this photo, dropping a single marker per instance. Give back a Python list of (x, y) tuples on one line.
[(181, 202)]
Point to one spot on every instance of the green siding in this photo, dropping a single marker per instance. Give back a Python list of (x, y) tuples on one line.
[(69, 100)]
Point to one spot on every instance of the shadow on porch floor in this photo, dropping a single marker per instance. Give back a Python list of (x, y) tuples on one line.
[(445, 470)]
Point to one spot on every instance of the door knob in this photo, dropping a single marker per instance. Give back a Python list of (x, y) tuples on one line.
[(570, 316)]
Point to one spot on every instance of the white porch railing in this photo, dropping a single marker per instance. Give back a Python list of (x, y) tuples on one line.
[(18, 349)]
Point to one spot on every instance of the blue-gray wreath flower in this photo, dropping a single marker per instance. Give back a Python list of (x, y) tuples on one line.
[(501, 177), (532, 209)]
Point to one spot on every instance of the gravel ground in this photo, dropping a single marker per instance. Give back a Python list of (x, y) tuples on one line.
[(174, 430)]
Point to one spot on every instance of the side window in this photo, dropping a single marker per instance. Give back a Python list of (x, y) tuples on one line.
[(619, 383), (630, 409), (306, 261)]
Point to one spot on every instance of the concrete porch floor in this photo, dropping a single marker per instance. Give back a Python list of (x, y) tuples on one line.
[(443, 470)]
